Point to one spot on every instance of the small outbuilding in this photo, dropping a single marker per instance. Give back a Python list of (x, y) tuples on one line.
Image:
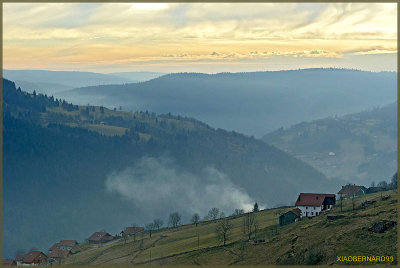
[(375, 189), (290, 216)]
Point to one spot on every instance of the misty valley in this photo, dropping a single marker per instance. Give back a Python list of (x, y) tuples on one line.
[(190, 168)]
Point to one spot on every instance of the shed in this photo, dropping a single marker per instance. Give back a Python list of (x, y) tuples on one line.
[(290, 216)]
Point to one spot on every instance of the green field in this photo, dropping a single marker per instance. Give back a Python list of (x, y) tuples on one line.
[(309, 241)]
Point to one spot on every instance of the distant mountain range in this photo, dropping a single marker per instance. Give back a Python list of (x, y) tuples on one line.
[(139, 76), (71, 170), (50, 82), (359, 148), (251, 103)]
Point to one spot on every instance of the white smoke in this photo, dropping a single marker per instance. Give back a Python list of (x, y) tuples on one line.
[(158, 186)]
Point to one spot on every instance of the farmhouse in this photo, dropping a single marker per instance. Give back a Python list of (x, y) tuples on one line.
[(8, 262), (349, 191), (100, 237), (290, 216), (34, 257), (67, 244), (312, 204), (19, 258), (58, 254), (132, 231)]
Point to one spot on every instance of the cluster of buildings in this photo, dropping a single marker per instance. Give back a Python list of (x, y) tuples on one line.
[(307, 205), (313, 204), (64, 249)]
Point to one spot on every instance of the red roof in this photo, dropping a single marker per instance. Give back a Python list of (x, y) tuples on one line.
[(54, 247), (132, 230), (59, 253), (68, 243), (33, 256), (8, 262), (296, 211), (351, 190), (100, 236), (312, 200), (19, 257)]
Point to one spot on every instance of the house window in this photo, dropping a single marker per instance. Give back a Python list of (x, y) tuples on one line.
[(314, 208), (306, 207), (312, 213)]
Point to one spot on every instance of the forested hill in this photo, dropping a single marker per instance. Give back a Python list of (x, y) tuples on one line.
[(71, 170), (252, 103), (359, 148)]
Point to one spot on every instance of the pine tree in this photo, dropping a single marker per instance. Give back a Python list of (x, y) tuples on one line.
[(255, 209)]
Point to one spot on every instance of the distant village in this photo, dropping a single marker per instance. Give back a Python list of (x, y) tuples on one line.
[(307, 205)]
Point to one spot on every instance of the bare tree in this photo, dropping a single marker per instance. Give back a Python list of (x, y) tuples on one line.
[(222, 215), (195, 218), (134, 234), (150, 228), (341, 202), (158, 223), (213, 214), (249, 222), (393, 183), (383, 184), (222, 230), (174, 219), (124, 236), (238, 212), (353, 196)]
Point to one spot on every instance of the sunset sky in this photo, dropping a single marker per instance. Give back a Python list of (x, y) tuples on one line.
[(200, 37)]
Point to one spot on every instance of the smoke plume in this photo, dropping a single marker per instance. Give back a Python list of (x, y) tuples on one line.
[(157, 187)]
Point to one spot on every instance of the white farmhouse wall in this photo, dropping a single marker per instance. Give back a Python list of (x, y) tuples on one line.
[(310, 211)]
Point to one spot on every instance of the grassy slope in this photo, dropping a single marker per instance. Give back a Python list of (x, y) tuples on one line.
[(347, 236), (104, 128)]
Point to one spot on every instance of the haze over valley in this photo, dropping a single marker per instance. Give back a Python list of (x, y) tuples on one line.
[(201, 133)]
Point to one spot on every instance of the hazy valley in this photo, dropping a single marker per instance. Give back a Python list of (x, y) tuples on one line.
[(359, 148)]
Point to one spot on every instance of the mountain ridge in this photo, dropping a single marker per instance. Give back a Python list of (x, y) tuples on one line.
[(252, 103)]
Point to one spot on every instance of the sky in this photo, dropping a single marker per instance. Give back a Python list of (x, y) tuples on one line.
[(199, 37)]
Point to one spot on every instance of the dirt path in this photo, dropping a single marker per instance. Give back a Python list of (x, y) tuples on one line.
[(141, 249)]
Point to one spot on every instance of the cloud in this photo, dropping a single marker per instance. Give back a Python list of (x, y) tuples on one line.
[(114, 32), (157, 186)]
